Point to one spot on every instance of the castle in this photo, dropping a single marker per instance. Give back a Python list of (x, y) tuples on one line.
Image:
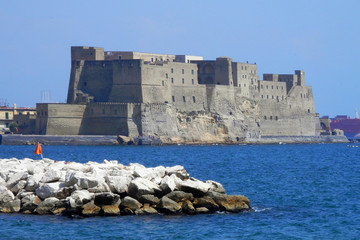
[(177, 98)]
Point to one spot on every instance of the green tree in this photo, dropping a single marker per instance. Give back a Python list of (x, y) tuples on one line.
[(13, 127)]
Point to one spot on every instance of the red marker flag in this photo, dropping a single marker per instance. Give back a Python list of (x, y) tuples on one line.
[(38, 149)]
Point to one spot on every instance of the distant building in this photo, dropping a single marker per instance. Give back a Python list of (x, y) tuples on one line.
[(24, 117)]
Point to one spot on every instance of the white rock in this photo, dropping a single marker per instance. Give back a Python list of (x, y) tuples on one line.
[(86, 182), (48, 190), (6, 196), (19, 186), (72, 177), (32, 183), (215, 186), (15, 178), (197, 188), (142, 186), (51, 175), (168, 184), (80, 197), (179, 171), (118, 184)]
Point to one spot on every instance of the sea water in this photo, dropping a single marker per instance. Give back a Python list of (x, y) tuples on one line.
[(297, 192)]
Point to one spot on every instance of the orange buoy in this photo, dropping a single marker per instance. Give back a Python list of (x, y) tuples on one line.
[(38, 149)]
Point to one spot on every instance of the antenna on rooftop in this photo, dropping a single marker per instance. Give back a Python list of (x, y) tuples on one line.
[(356, 113), (45, 96), (3, 102)]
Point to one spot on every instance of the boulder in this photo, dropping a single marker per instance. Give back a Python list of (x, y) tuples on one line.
[(110, 210), (202, 210), (86, 182), (80, 197), (71, 178), (65, 192), (167, 184), (29, 201), (234, 203), (150, 199), (51, 175), (10, 206), (178, 170), (215, 186), (46, 206), (6, 195), (19, 186), (47, 190), (166, 205), (180, 196), (207, 202), (146, 210), (107, 198), (197, 188), (32, 183), (118, 184), (90, 209), (15, 178), (187, 207), (131, 203), (142, 186)]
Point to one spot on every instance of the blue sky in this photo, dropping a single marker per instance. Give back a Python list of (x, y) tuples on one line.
[(320, 37)]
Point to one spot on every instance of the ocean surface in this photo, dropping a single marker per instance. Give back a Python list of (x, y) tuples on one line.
[(296, 191)]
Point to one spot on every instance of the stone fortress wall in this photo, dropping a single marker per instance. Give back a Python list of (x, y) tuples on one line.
[(178, 98)]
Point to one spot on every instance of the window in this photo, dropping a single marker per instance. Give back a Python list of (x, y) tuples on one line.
[(183, 71), (192, 71), (267, 96), (85, 83), (172, 70), (6, 125), (262, 86), (115, 111), (172, 80), (152, 59), (244, 84), (194, 100), (183, 81), (276, 118), (166, 75), (267, 87), (265, 117), (262, 96), (184, 99), (270, 117), (242, 67), (308, 110), (163, 83), (173, 98), (7, 115), (192, 81), (272, 87)]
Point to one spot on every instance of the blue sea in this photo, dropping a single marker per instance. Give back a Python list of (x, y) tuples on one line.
[(302, 191)]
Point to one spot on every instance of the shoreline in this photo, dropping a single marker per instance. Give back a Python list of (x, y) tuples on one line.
[(113, 140)]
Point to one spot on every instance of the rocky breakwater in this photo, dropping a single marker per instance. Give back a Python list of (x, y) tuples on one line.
[(109, 188)]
